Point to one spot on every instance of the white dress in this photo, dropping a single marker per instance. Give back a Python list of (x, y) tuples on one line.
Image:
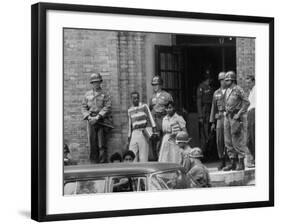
[(169, 150)]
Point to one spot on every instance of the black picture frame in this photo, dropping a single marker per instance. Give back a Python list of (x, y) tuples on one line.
[(38, 115)]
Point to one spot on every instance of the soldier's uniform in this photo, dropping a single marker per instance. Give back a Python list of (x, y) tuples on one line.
[(204, 104), (198, 172), (139, 118), (97, 103), (217, 116), (235, 129), (157, 106)]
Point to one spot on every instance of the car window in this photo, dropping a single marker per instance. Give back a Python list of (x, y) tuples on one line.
[(85, 187), (127, 184), (175, 179)]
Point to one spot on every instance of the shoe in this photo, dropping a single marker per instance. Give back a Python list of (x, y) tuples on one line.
[(241, 165), (222, 164), (231, 166)]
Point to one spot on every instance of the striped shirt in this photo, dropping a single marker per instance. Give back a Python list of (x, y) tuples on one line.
[(140, 117)]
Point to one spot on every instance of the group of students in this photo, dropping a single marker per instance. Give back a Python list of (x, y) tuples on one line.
[(174, 146)]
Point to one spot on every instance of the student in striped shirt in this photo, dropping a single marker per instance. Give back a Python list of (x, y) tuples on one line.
[(139, 118)]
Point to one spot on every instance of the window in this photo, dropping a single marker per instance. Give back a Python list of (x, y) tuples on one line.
[(85, 187), (175, 179), (127, 184)]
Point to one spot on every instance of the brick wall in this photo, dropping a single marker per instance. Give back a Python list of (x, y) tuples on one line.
[(245, 57), (126, 62), (119, 56)]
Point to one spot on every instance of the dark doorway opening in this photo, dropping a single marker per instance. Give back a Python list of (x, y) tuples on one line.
[(182, 67)]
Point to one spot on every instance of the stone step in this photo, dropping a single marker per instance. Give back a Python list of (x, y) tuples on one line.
[(232, 178)]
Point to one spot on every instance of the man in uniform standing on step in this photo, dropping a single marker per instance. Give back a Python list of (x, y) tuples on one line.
[(157, 105), (236, 105), (204, 104), (217, 119), (96, 108)]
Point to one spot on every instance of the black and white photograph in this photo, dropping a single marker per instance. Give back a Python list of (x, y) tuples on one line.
[(147, 111), (152, 107)]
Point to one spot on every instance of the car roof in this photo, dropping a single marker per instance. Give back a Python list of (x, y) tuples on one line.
[(115, 169)]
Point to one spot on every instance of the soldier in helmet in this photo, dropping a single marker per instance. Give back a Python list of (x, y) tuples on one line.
[(182, 140), (157, 105), (236, 105), (217, 118), (198, 172), (204, 103), (96, 107)]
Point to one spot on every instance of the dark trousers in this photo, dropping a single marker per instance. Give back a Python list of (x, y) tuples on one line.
[(156, 143), (97, 143), (204, 128), (220, 138), (251, 132)]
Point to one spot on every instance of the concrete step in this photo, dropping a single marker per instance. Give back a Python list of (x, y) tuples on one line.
[(232, 178)]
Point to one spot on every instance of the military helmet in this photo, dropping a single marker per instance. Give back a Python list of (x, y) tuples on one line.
[(156, 80), (195, 153), (95, 77), (221, 76), (230, 76), (182, 137)]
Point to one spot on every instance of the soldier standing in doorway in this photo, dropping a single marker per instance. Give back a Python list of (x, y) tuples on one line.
[(236, 105), (217, 119), (204, 104), (157, 105), (96, 107)]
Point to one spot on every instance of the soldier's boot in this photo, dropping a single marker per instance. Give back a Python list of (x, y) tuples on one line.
[(241, 165), (222, 163), (231, 166)]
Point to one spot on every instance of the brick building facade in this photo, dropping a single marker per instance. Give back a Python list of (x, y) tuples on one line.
[(126, 62)]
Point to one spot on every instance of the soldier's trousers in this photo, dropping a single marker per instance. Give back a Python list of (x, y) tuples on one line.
[(220, 138), (251, 132), (235, 143), (97, 142), (139, 145), (158, 118)]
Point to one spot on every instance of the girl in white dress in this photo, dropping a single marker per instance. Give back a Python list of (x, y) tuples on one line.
[(171, 125)]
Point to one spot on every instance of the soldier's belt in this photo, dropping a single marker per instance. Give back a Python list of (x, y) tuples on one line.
[(232, 113)]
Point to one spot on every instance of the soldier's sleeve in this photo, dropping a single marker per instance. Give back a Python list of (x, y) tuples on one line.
[(245, 101), (213, 110), (151, 121), (197, 175), (107, 106), (199, 101), (150, 104), (85, 108)]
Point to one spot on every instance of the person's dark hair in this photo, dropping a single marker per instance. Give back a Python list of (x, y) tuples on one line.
[(135, 93), (66, 148), (115, 156), (129, 153)]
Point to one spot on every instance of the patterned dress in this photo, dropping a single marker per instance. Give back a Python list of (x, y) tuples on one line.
[(170, 151)]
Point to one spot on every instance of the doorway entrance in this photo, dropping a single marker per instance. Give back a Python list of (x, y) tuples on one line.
[(182, 68)]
